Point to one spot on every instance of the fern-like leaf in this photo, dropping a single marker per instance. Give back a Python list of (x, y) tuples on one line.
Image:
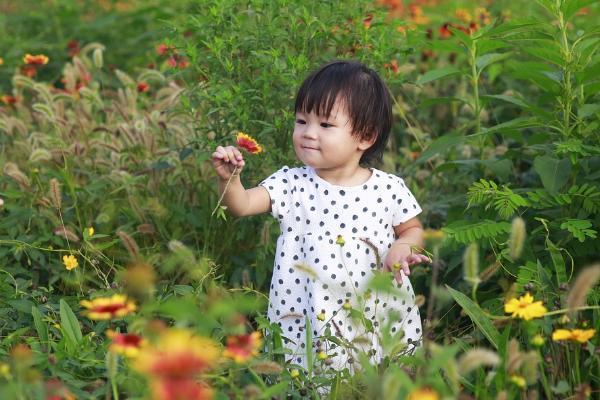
[(467, 231)]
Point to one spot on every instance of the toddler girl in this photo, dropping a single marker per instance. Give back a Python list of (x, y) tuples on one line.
[(341, 221)]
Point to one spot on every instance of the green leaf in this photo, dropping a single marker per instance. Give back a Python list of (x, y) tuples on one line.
[(436, 74), (439, 145), (570, 7), (477, 316), (40, 325), (69, 324), (467, 231), (555, 173), (587, 110), (309, 345), (487, 59), (558, 261)]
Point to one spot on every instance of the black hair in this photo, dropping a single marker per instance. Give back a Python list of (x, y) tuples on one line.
[(364, 94)]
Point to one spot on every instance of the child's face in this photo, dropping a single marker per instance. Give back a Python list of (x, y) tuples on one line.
[(327, 142)]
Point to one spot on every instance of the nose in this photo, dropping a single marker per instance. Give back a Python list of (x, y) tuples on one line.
[(309, 132)]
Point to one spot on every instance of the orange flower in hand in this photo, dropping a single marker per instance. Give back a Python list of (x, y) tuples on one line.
[(248, 143)]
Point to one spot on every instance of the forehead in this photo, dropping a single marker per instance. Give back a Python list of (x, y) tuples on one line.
[(338, 110)]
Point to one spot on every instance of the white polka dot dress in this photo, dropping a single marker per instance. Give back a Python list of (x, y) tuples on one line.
[(316, 277)]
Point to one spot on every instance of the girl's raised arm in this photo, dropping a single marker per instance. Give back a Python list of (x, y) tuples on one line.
[(228, 162)]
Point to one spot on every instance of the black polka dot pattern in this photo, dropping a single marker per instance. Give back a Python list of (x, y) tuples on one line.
[(315, 277)]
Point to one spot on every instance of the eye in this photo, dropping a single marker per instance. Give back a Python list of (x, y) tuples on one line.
[(326, 125), (300, 121)]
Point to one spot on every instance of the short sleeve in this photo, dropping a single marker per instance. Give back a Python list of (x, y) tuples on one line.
[(405, 206), (279, 188)]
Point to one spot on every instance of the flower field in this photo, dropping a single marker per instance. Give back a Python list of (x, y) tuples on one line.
[(122, 275)]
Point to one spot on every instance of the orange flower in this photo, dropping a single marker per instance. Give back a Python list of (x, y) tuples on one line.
[(482, 15), (243, 347), (56, 390), (392, 66), (105, 308), (423, 393), (172, 61), (248, 143), (444, 31), (29, 70), (162, 49), (463, 15), (367, 21), (40, 59), (180, 389), (143, 87), (128, 344), (183, 64), (417, 16), (177, 355)]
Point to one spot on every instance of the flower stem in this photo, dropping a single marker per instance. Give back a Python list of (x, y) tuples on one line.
[(224, 190)]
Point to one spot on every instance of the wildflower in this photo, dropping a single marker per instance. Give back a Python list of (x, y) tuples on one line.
[(294, 373), (392, 66), (463, 15), (4, 371), (1, 61), (177, 355), (417, 16), (90, 231), (40, 59), (183, 64), (347, 305), (177, 389), (321, 315), (423, 393), (575, 335), (538, 340), (70, 262), (73, 47), (340, 240), (8, 100), (162, 49), (128, 344), (445, 31), (243, 347), (524, 307), (367, 21), (482, 15), (29, 70), (105, 308), (248, 143), (142, 87), (55, 389), (518, 380), (322, 355)]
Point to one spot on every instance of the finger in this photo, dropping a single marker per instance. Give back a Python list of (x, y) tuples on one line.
[(405, 267), (398, 276), (238, 154)]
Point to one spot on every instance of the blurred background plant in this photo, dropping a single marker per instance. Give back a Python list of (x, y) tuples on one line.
[(109, 250)]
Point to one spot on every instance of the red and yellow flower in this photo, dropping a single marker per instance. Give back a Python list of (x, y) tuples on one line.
[(248, 143), (105, 308), (8, 99), (142, 87), (180, 389), (177, 354), (575, 335), (39, 59), (243, 347), (128, 344), (423, 393)]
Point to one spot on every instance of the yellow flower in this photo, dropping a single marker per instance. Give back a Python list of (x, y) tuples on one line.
[(322, 355), (340, 240), (70, 262), (90, 231), (1, 61), (518, 380), (321, 316), (294, 373), (576, 335), (538, 340), (423, 393), (463, 15), (524, 307), (4, 370), (105, 308)]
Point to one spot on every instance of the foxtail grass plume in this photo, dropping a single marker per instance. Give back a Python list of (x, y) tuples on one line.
[(517, 238), (12, 170), (585, 281), (55, 194), (130, 244), (475, 358), (97, 57), (66, 233), (471, 263)]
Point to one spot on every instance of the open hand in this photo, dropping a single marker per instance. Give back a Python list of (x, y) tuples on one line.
[(226, 161), (399, 258)]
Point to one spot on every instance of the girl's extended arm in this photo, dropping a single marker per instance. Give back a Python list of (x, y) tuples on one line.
[(409, 235), (228, 163)]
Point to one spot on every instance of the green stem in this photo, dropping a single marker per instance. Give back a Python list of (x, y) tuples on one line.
[(547, 390), (567, 103), (115, 392), (577, 370)]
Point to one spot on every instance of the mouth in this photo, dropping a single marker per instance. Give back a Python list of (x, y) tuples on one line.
[(308, 148)]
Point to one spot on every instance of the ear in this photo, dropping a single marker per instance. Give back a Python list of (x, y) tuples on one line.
[(364, 144)]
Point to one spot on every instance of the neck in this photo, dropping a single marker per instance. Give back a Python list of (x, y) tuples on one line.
[(344, 176)]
